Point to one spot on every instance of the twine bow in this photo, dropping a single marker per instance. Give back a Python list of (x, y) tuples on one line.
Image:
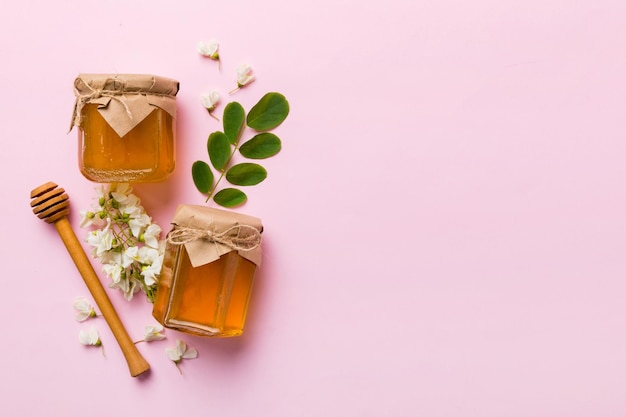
[(232, 237)]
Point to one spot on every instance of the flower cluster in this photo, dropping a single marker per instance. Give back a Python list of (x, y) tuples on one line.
[(125, 240)]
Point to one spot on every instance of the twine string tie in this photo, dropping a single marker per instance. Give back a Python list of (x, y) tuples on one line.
[(239, 237)]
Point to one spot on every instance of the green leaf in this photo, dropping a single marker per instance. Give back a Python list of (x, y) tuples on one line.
[(246, 174), (202, 176), (230, 197), (219, 149), (232, 119), (269, 112), (261, 146)]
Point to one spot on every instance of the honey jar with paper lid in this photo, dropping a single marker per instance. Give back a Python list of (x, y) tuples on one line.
[(126, 126), (206, 280)]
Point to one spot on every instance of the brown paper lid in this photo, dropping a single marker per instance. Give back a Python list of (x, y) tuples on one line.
[(124, 100), (209, 233)]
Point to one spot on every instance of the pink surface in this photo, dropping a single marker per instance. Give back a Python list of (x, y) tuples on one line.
[(445, 226)]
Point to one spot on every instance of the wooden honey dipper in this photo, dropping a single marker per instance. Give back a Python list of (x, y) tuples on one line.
[(52, 204)]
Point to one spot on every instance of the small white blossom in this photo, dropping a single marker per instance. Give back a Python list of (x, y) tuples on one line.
[(209, 101), (130, 256), (148, 255), (139, 223), (122, 194), (150, 274), (89, 218), (89, 338), (84, 309), (210, 50), (101, 241), (180, 352), (151, 235), (130, 207), (113, 271), (129, 287), (244, 76), (153, 332), (102, 193)]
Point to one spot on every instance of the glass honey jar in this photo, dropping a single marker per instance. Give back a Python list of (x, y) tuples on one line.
[(127, 126), (208, 271)]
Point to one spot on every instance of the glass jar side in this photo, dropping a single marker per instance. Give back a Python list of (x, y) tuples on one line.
[(145, 154), (209, 300)]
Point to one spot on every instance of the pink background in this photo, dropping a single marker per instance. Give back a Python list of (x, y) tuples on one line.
[(445, 226)]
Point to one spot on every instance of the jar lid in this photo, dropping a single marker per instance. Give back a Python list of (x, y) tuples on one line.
[(209, 233), (124, 100)]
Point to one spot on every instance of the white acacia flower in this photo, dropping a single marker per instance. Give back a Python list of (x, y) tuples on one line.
[(89, 338), (153, 332), (209, 101), (244, 76), (128, 287), (131, 207), (111, 257), (148, 256), (151, 235), (130, 255), (101, 241), (113, 271), (122, 188), (138, 223), (180, 352), (150, 273), (210, 49), (151, 263), (90, 218), (84, 309), (102, 193), (125, 240)]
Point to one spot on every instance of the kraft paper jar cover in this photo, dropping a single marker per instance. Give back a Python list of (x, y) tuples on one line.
[(124, 100), (209, 233)]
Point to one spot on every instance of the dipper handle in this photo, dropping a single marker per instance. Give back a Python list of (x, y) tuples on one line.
[(52, 205)]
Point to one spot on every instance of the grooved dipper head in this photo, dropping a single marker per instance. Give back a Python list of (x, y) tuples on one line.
[(49, 202)]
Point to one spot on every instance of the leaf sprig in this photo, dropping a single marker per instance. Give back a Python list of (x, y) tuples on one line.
[(271, 110)]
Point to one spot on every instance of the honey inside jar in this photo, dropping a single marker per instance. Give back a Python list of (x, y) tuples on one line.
[(144, 154), (209, 300)]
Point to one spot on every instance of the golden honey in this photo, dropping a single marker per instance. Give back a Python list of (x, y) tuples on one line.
[(127, 127), (209, 299), (144, 154)]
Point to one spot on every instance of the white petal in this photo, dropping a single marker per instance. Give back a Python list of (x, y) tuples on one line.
[(173, 354), (81, 304), (208, 48), (181, 346), (82, 316), (83, 337), (94, 337), (207, 102), (191, 353), (153, 332), (153, 337)]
